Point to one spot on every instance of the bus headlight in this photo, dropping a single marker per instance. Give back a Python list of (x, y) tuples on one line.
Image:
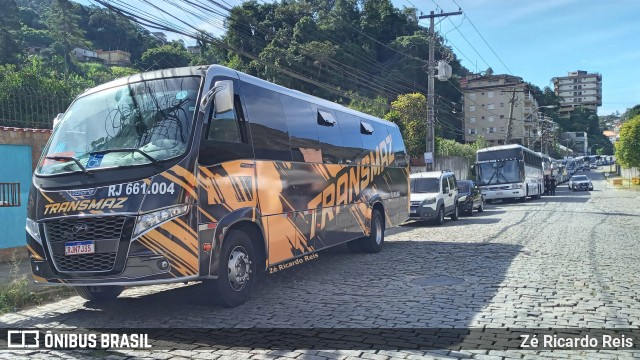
[(151, 220), (516, 186), (33, 230)]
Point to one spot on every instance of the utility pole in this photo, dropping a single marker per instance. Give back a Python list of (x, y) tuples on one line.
[(510, 123), (430, 138)]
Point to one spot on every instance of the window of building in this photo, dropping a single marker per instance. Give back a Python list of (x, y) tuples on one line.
[(472, 96), (472, 119), (472, 131), (492, 130), (491, 106), (501, 104), (492, 118), (502, 129), (472, 108), (490, 94)]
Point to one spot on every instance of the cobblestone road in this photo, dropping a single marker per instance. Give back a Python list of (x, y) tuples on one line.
[(566, 261)]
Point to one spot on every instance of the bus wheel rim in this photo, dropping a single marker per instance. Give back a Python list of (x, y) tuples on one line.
[(239, 268)]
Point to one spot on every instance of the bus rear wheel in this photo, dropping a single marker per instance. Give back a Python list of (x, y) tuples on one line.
[(237, 272), (99, 293)]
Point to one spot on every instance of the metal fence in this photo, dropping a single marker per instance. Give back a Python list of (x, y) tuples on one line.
[(9, 194), (31, 108)]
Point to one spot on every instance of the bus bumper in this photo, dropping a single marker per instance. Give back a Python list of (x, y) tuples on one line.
[(139, 271), (503, 194)]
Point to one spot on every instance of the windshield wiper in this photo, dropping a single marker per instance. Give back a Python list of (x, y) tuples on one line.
[(60, 158), (153, 160)]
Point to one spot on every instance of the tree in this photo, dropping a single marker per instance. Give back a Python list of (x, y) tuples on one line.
[(62, 22), (631, 113), (170, 55), (628, 147), (9, 23), (409, 111)]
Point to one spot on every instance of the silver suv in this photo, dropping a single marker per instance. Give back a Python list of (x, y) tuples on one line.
[(434, 195)]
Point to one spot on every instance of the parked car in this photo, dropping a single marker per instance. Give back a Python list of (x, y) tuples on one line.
[(580, 182), (434, 195), (470, 197), (594, 166)]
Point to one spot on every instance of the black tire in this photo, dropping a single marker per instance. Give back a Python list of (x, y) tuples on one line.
[(481, 208), (373, 243), (99, 294), (238, 252), (440, 219), (456, 213), (470, 212)]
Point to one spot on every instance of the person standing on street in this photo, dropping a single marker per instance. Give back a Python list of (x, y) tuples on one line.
[(547, 185), (553, 185)]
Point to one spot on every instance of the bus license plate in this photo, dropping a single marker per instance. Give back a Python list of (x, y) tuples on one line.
[(499, 193), (79, 247)]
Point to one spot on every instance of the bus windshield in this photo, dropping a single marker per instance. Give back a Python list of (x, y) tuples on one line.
[(499, 172), (133, 124)]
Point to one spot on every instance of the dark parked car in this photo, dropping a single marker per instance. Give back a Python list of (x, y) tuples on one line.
[(470, 197)]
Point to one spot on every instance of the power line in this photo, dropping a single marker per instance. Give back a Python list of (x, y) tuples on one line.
[(483, 39)]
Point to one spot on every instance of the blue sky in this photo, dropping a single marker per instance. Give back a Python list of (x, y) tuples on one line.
[(538, 40)]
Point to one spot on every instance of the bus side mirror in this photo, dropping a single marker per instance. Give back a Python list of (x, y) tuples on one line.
[(221, 94), (224, 98), (473, 170)]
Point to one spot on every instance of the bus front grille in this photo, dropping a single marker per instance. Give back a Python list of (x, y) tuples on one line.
[(86, 262), (104, 231), (96, 228)]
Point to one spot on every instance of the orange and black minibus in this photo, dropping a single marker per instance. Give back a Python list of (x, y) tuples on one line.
[(207, 174)]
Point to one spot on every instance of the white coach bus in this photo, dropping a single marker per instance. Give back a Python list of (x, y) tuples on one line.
[(509, 172)]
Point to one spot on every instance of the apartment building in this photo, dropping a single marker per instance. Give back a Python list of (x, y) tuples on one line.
[(576, 141), (578, 88), (487, 106)]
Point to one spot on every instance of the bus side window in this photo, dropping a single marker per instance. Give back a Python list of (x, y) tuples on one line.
[(268, 126), (303, 134), (351, 138), (397, 146), (382, 135), (328, 135), (368, 135), (225, 137), (225, 126)]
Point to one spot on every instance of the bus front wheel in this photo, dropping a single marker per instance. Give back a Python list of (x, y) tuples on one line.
[(238, 270)]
